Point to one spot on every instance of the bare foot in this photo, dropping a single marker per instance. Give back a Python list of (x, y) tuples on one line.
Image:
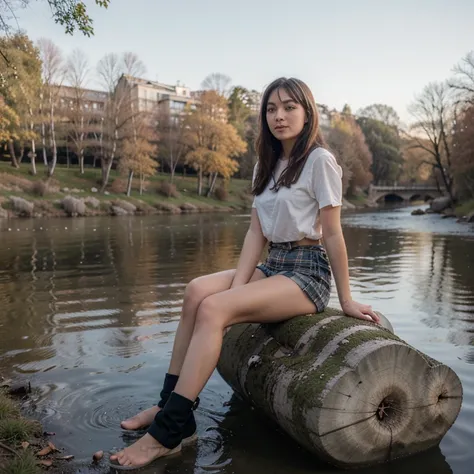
[(142, 453), (142, 420)]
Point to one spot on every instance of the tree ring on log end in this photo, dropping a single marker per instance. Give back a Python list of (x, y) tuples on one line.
[(389, 413), (440, 400), (367, 413)]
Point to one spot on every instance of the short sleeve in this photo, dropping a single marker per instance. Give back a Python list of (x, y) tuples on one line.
[(253, 181), (327, 180)]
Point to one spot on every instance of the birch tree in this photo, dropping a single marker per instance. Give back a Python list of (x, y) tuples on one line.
[(80, 116), (119, 108), (54, 72)]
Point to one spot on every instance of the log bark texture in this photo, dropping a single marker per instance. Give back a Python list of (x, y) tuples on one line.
[(348, 390)]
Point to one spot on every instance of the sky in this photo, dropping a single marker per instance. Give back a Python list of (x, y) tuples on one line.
[(355, 52)]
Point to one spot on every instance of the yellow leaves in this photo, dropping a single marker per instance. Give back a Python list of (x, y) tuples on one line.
[(9, 123), (136, 157), (212, 141)]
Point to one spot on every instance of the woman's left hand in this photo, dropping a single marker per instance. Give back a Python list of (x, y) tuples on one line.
[(360, 311)]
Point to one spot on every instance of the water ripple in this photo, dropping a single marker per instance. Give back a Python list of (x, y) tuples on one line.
[(89, 313)]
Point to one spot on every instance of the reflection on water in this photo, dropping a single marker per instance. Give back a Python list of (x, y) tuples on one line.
[(90, 307)]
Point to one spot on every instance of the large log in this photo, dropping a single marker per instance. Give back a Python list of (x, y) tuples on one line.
[(348, 390)]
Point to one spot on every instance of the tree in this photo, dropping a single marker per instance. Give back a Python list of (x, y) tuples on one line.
[(348, 142), (9, 123), (20, 81), (172, 145), (416, 167), (119, 108), (381, 112), (243, 115), (433, 113), (384, 144), (54, 72), (80, 118), (217, 82), (72, 14), (136, 158), (463, 154), (212, 141), (463, 81)]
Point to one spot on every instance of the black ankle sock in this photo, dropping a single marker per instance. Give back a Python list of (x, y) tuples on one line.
[(169, 385), (169, 424)]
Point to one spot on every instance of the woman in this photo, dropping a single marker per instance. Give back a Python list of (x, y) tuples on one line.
[(298, 193)]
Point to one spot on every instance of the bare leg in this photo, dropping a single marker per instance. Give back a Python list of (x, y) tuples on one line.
[(269, 300), (196, 291)]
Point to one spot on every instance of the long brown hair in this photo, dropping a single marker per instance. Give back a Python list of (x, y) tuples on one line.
[(269, 148)]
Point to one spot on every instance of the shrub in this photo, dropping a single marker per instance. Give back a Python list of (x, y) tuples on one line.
[(168, 189), (21, 206), (118, 186), (44, 187), (73, 206), (221, 193)]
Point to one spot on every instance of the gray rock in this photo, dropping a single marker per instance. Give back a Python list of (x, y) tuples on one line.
[(470, 217), (92, 202), (94, 190), (440, 204), (127, 206), (73, 206), (118, 211), (418, 212)]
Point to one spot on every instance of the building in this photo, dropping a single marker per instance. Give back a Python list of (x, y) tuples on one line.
[(153, 97), (93, 101)]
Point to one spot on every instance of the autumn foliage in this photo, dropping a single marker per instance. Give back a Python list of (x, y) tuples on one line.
[(213, 142), (347, 142), (463, 154)]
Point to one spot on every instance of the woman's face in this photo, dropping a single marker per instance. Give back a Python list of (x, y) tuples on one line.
[(285, 117)]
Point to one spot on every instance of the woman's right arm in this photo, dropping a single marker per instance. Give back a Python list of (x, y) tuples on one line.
[(252, 249)]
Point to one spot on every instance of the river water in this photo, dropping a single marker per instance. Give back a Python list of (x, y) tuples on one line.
[(89, 308)]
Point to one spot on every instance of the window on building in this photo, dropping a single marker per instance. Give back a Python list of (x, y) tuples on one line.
[(177, 106)]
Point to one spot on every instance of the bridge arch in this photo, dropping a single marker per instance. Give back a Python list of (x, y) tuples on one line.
[(390, 197), (407, 193)]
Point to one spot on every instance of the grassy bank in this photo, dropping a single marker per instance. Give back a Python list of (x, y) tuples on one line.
[(46, 196), (465, 209), (23, 447)]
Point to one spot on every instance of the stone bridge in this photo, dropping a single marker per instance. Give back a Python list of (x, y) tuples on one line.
[(403, 193)]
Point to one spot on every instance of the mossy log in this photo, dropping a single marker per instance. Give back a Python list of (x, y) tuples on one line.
[(348, 390)]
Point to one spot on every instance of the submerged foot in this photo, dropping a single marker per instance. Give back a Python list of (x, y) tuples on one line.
[(142, 420), (141, 453)]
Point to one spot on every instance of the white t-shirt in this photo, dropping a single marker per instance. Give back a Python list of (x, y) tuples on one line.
[(292, 214)]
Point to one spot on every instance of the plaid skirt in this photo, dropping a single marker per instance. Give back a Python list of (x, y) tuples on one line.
[(308, 266)]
